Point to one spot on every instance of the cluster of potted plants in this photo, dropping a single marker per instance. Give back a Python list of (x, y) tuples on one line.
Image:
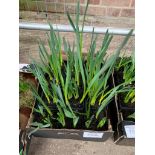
[(125, 71), (75, 92), (124, 125)]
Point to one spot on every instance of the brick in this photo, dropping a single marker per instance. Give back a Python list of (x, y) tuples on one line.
[(128, 13), (22, 5), (116, 2), (71, 9), (94, 2), (52, 1), (55, 8), (99, 11), (133, 3), (69, 1), (61, 1), (58, 1), (114, 12)]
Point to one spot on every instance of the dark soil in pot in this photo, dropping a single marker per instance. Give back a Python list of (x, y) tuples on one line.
[(123, 105), (118, 78), (95, 122), (69, 122), (126, 114), (39, 118), (113, 114)]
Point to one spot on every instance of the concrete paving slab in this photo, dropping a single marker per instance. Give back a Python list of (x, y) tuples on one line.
[(47, 146)]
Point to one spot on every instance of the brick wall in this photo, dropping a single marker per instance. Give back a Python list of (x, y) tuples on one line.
[(102, 13), (108, 8)]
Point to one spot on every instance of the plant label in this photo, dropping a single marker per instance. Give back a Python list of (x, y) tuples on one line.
[(92, 135), (130, 131)]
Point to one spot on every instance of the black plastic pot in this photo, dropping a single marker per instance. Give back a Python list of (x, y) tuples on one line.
[(120, 133), (125, 134), (123, 106), (118, 79), (94, 123), (125, 115)]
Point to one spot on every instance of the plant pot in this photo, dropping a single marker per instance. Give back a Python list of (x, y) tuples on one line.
[(125, 134), (123, 106), (124, 129), (118, 79), (94, 122), (125, 115)]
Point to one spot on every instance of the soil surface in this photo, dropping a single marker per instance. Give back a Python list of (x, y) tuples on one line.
[(47, 146)]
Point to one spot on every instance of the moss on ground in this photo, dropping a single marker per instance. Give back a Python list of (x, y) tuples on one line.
[(26, 98)]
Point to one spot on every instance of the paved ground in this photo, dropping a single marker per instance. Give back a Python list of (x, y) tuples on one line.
[(47, 146)]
